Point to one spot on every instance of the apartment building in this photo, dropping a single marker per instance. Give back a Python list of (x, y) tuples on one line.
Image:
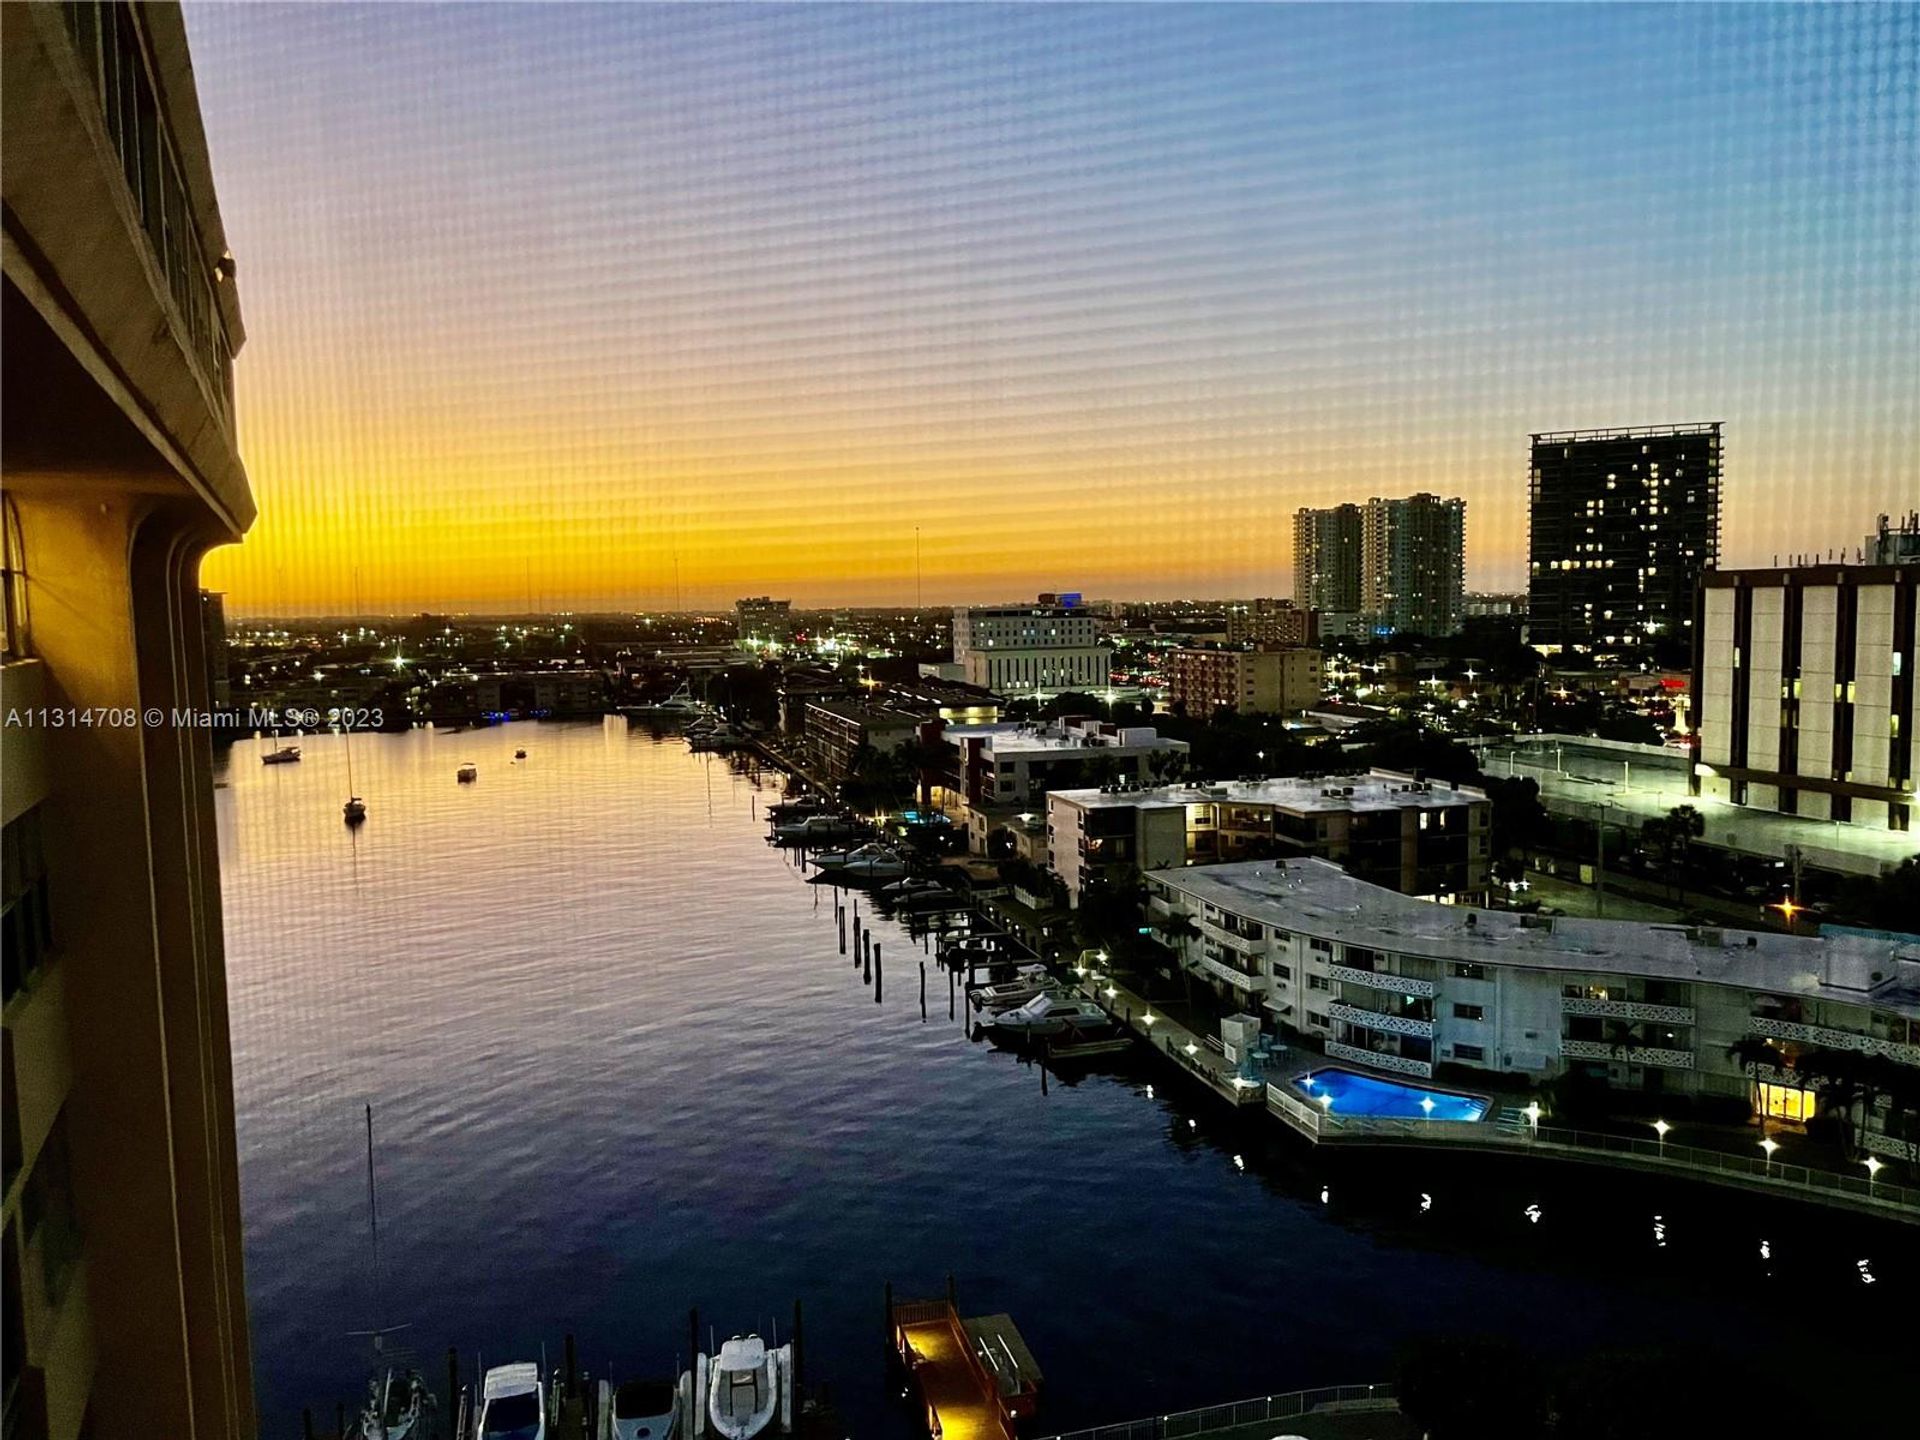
[(1266, 680), (1387, 566), (1386, 982), (1804, 691), (836, 729), (1268, 621), (1622, 524), (124, 1297), (1013, 765), (1051, 645), (1395, 830)]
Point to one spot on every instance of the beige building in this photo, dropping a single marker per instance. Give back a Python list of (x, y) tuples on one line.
[(1269, 680), (125, 1302), (1270, 622)]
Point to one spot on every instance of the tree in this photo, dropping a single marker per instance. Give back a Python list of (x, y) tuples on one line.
[(1463, 1387), (1519, 819), (1888, 901), (1750, 1052), (1671, 837)]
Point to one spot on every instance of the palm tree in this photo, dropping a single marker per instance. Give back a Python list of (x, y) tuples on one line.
[(1750, 1052), (1623, 1036)]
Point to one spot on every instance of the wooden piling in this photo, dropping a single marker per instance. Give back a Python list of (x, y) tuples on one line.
[(878, 975), (340, 1421), (799, 1352), (453, 1385), (572, 1368), (306, 1423), (923, 989)]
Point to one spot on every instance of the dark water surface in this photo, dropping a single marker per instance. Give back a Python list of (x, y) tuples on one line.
[(618, 1068)]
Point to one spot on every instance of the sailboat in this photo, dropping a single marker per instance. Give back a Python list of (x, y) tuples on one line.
[(355, 810), (399, 1406)]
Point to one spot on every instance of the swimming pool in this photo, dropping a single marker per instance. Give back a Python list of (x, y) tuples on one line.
[(1370, 1095)]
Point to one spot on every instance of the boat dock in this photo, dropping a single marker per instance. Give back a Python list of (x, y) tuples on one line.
[(975, 1377), (1199, 1055)]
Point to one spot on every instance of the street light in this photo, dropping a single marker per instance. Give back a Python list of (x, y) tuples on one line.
[(1426, 1104), (1769, 1145), (1660, 1128), (1532, 1112), (1872, 1162)]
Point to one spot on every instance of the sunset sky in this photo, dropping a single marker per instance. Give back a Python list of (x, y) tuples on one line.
[(547, 303)]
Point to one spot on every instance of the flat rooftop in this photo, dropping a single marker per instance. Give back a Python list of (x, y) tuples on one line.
[(1317, 897), (1376, 790), (1014, 737)]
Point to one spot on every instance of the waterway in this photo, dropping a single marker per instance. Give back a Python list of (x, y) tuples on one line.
[(618, 1068)]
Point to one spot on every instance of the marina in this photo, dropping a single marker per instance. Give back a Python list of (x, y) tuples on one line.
[(722, 1084)]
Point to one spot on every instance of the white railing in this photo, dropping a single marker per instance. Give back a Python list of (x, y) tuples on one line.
[(1399, 1064), (1627, 1054), (1381, 980), (1626, 1010), (1227, 972), (1827, 1036), (1210, 1419), (1380, 1020), (1293, 1108)]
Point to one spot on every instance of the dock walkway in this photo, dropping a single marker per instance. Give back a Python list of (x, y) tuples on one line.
[(974, 1376)]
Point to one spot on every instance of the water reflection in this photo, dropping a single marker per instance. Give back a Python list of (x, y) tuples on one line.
[(621, 1065)]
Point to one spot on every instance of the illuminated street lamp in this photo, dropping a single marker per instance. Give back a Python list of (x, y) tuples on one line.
[(1660, 1128), (1532, 1112), (1426, 1104), (1873, 1164), (1769, 1145), (1326, 1102), (1148, 1018), (1788, 908)]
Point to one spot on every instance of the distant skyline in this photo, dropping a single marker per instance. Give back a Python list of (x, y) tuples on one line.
[(583, 307)]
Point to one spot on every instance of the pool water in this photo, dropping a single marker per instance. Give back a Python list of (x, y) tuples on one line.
[(1369, 1095)]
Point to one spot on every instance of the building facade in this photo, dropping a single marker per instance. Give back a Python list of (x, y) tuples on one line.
[(763, 622), (1387, 566), (1622, 523), (1407, 834), (1803, 691), (1326, 559), (838, 729), (1267, 680), (1270, 622), (124, 1291), (1013, 765), (1051, 645), (1385, 982)]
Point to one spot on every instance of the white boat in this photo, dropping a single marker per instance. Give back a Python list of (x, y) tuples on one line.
[(750, 1388), (282, 755), (1049, 1013), (872, 862), (716, 737), (679, 703), (918, 894), (796, 809), (513, 1404), (639, 1410), (467, 774), (1027, 982), (860, 859)]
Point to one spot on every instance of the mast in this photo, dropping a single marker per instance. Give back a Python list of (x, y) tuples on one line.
[(346, 733), (373, 1227)]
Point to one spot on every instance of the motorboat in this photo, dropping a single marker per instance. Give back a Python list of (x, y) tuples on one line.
[(467, 774), (815, 828), (717, 737), (796, 809), (513, 1404), (870, 863), (639, 1410), (749, 1388), (1048, 1013), (914, 889), (355, 810), (860, 860), (1027, 982), (679, 703), (282, 755), (519, 754), (397, 1408)]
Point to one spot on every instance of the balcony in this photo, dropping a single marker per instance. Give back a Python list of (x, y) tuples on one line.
[(1382, 980), (1386, 1024), (1397, 1064), (1627, 1054), (1627, 1010), (1828, 1038), (1240, 979)]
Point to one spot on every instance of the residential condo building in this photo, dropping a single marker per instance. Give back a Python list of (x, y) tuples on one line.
[(1015, 764), (1804, 691), (1622, 524), (125, 1306), (1396, 830), (1387, 566), (1386, 982), (1266, 680), (1267, 621)]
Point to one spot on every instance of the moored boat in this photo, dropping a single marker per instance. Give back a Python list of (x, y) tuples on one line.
[(749, 1388), (282, 755), (513, 1404), (814, 829), (1049, 1013), (639, 1410), (467, 774)]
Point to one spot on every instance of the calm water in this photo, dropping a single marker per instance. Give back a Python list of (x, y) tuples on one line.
[(618, 1068)]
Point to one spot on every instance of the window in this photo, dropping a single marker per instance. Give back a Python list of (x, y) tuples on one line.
[(1316, 982), (1784, 1102), (13, 576), (26, 926), (1320, 1020), (1282, 972), (1469, 1052), (1469, 1012), (1469, 972)]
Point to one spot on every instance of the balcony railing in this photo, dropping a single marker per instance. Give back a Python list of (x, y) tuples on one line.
[(1627, 1054), (1381, 980), (1829, 1038), (1379, 1020), (1627, 1010), (1398, 1064), (1228, 973)]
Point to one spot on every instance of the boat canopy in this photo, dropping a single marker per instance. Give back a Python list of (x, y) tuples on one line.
[(742, 1354)]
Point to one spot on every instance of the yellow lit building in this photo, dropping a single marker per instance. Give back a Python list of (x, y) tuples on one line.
[(125, 1302)]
